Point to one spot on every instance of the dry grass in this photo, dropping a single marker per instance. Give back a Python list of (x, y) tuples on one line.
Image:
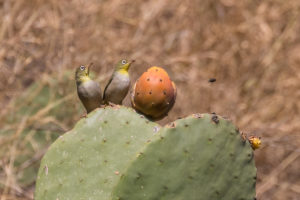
[(251, 47)]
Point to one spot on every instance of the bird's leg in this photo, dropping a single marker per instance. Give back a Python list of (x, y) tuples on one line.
[(83, 115), (112, 104)]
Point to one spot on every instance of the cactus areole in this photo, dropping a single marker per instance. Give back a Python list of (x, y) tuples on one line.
[(154, 93)]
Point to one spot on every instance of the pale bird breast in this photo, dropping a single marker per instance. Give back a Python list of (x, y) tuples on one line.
[(122, 80), (89, 88)]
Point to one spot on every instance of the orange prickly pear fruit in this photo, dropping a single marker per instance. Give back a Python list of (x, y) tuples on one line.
[(154, 93)]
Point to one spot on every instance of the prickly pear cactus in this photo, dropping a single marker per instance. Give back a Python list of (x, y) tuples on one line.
[(154, 93), (115, 154), (87, 162), (199, 157)]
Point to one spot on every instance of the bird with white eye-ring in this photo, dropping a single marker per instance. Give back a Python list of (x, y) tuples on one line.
[(89, 91), (118, 85)]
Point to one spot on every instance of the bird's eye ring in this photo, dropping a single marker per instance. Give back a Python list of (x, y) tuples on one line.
[(82, 67), (124, 62)]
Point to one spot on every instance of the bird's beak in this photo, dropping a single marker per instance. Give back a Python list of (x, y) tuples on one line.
[(88, 68), (128, 65)]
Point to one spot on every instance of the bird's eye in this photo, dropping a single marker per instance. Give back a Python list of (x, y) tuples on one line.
[(124, 62), (82, 67)]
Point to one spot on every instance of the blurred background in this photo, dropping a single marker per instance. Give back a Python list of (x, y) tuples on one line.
[(252, 48)]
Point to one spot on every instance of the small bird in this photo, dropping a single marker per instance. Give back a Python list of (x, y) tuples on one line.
[(89, 91), (118, 85)]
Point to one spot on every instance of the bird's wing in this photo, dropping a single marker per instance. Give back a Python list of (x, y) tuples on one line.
[(111, 78)]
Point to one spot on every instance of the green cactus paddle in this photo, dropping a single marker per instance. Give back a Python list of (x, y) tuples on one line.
[(117, 154), (87, 162), (194, 159)]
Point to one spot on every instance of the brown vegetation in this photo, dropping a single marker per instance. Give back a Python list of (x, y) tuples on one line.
[(252, 48)]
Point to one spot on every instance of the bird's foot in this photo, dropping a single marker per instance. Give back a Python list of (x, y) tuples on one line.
[(112, 104), (83, 116)]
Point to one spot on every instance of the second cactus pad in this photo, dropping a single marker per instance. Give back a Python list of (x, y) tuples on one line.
[(197, 158), (87, 162)]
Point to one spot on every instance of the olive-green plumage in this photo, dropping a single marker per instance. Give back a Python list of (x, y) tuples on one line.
[(118, 85), (89, 91)]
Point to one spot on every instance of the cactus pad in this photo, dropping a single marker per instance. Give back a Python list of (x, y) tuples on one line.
[(87, 162), (115, 154), (154, 93), (199, 157)]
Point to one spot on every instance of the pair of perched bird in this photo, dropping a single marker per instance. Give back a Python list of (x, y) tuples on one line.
[(89, 91)]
